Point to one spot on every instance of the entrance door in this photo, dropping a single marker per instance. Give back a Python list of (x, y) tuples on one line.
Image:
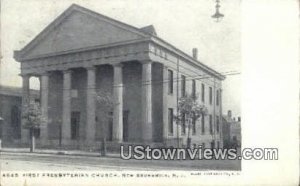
[(125, 125), (75, 120)]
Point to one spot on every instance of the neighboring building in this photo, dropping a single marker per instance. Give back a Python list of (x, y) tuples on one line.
[(231, 131), (10, 111), (82, 53)]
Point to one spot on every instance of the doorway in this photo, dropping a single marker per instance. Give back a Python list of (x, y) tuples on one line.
[(125, 125), (75, 120)]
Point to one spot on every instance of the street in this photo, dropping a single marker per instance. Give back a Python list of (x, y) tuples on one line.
[(15, 161)]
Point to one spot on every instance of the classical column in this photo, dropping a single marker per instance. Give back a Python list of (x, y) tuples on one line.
[(165, 103), (25, 102), (118, 104), (91, 104), (44, 91), (66, 115), (147, 101)]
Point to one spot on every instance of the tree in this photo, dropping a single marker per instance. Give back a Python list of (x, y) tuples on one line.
[(190, 110), (105, 99), (33, 120)]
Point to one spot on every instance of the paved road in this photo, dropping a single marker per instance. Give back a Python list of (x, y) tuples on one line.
[(50, 162)]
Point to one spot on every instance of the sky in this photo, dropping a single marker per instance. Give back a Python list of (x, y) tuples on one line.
[(184, 24)]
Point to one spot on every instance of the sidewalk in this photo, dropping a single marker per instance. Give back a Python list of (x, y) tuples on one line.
[(58, 152)]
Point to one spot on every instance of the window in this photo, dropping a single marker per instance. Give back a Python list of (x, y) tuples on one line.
[(170, 77), (194, 88), (234, 138), (170, 119), (194, 126), (210, 124), (183, 124), (218, 146), (218, 124), (210, 95), (217, 97), (155, 51), (183, 85), (203, 145), (202, 92), (202, 124), (212, 144)]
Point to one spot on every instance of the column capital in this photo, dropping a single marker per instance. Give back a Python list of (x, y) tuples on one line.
[(165, 67), (117, 65), (146, 62), (67, 71), (25, 75), (45, 73), (90, 68)]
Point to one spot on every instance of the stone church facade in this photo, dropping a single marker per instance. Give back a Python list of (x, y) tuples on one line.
[(83, 53)]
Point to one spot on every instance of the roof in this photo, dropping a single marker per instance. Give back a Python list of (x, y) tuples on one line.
[(230, 120), (16, 91), (147, 32)]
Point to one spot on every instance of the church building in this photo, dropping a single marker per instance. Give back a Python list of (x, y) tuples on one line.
[(83, 55)]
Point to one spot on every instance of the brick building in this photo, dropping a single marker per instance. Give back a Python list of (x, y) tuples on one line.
[(10, 112), (231, 130), (82, 53)]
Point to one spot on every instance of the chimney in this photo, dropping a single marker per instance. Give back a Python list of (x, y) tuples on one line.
[(229, 113), (195, 53)]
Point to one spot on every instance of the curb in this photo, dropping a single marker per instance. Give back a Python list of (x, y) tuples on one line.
[(61, 153)]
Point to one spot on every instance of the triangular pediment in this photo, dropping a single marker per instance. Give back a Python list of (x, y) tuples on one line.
[(79, 28)]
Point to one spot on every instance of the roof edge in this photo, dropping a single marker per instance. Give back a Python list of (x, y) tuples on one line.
[(190, 58), (63, 15), (18, 54)]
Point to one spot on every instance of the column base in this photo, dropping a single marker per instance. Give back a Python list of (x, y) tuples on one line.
[(117, 140), (67, 142), (148, 141)]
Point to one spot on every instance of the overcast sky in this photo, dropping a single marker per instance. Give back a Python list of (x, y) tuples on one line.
[(185, 24)]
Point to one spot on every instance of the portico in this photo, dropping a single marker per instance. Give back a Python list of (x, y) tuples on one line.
[(85, 91)]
